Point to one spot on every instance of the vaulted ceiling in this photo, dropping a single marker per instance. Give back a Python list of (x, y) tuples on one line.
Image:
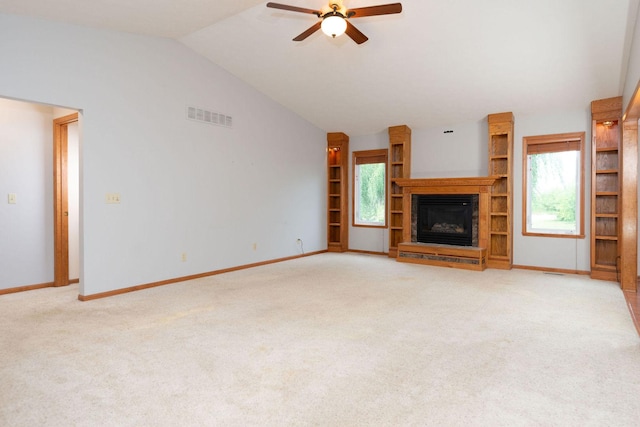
[(435, 64)]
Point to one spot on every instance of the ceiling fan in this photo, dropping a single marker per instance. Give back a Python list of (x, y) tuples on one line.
[(335, 22)]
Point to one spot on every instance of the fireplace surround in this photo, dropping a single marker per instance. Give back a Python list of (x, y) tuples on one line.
[(456, 255)]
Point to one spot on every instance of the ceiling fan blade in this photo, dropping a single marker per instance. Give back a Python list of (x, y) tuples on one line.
[(309, 31), (294, 8), (355, 34), (383, 9)]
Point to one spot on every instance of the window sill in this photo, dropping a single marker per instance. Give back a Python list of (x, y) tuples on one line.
[(562, 236)]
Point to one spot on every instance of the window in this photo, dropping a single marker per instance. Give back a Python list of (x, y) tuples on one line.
[(553, 199), (369, 188)]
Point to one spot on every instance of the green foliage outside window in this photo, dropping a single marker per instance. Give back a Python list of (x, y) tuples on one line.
[(553, 191), (370, 204)]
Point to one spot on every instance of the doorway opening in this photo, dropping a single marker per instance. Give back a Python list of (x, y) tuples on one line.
[(32, 138), (66, 200)]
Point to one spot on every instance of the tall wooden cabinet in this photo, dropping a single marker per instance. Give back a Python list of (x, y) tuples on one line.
[(338, 192), (605, 188), (500, 242), (399, 167), (628, 244)]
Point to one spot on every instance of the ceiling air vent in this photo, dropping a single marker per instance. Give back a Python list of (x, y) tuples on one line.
[(206, 116)]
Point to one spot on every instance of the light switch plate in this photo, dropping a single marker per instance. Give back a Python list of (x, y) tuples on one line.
[(112, 198), (13, 199)]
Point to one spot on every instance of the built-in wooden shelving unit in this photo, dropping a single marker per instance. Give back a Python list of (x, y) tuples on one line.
[(500, 243), (399, 168), (605, 188), (338, 192)]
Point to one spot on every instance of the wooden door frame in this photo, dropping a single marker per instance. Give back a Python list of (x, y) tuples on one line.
[(60, 200), (629, 212)]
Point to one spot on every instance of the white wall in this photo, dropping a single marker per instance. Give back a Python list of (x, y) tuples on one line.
[(550, 252), (209, 191), (464, 153), (26, 169), (461, 153)]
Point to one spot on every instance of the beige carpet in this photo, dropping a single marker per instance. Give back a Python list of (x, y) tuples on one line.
[(327, 340)]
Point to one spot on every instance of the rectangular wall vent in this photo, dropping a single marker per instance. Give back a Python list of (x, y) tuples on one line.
[(207, 116)]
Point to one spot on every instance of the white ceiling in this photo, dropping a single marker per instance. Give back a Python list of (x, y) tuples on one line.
[(437, 63)]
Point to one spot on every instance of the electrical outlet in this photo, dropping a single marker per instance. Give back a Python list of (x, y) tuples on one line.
[(299, 241), (112, 198), (183, 257), (254, 246), (12, 199)]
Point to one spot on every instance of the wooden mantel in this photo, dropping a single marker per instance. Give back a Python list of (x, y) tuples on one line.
[(472, 185)]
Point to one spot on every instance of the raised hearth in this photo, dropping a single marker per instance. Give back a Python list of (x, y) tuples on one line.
[(466, 257)]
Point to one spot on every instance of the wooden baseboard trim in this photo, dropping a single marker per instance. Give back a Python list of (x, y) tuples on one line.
[(358, 251), (191, 277), (552, 270), (72, 281), (26, 288)]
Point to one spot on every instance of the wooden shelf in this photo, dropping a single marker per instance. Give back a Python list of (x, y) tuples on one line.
[(606, 237), (606, 267), (400, 167), (605, 188), (500, 245), (337, 184)]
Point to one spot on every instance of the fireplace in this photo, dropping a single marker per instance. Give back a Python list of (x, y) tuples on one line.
[(456, 255), (446, 218)]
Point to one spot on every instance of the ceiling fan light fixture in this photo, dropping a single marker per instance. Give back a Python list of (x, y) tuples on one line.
[(334, 25), (334, 21)]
